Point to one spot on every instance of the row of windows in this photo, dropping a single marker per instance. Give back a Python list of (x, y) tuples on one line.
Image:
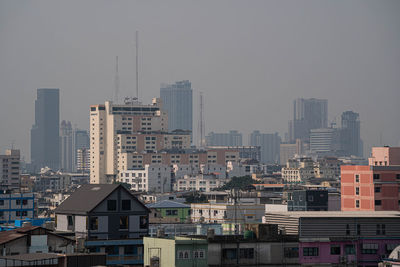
[(380, 229), (17, 202)]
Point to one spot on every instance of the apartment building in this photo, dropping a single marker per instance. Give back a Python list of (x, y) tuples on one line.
[(110, 120), (200, 182), (298, 170), (154, 178), (375, 186), (10, 169), (17, 206)]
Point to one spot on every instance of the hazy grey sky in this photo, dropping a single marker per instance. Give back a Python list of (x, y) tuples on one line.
[(250, 58)]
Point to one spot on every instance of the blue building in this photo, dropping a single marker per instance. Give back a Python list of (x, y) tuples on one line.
[(18, 206), (177, 101)]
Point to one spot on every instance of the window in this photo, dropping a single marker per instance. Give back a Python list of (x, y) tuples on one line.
[(1, 202), (18, 202), (378, 202), (246, 253), (123, 222), (198, 254), (229, 253), (357, 190), (291, 252), (357, 203), (143, 222), (377, 189), (111, 204), (369, 248), (347, 229), (112, 250), (126, 204), (335, 249), (349, 249), (171, 212), (312, 251), (398, 176), (183, 254), (376, 176), (70, 221), (380, 229), (130, 250), (94, 223), (357, 178), (358, 229)]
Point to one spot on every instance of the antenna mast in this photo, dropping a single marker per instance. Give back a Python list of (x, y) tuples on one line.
[(116, 81), (201, 123), (137, 65)]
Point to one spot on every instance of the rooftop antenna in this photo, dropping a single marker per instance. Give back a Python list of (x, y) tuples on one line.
[(201, 123), (116, 81), (137, 65)]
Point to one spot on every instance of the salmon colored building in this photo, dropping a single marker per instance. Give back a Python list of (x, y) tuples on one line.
[(375, 186)]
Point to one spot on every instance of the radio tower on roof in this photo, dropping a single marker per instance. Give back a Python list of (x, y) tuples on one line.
[(116, 81), (137, 65), (201, 129)]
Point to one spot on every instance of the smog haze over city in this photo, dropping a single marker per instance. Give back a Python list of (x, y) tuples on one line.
[(250, 59)]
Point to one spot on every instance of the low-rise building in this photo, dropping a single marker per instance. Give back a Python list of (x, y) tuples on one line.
[(155, 178), (33, 239), (108, 218), (341, 238), (168, 211), (201, 182), (177, 251), (17, 206), (308, 200), (298, 170), (227, 213)]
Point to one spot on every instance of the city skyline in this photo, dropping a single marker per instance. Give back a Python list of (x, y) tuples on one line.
[(282, 57)]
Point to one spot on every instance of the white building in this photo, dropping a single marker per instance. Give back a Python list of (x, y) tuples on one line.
[(154, 178), (227, 213), (298, 170), (201, 182)]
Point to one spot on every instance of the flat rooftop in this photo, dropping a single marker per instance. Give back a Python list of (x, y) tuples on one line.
[(338, 214)]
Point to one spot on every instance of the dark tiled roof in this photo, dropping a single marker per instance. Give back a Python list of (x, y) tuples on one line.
[(86, 198), (11, 235), (167, 204)]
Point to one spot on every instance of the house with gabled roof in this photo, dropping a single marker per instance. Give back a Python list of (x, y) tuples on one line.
[(109, 219), (103, 211)]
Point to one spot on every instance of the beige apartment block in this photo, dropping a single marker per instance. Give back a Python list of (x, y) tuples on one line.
[(110, 120)]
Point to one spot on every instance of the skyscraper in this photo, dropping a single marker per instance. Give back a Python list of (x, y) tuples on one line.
[(81, 147), (307, 114), (67, 151), (45, 137), (269, 144), (177, 101), (233, 138), (350, 134)]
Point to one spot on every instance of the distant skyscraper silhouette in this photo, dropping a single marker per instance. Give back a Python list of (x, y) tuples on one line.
[(269, 145), (350, 134), (81, 146), (66, 137), (307, 114), (45, 137), (233, 138), (177, 101)]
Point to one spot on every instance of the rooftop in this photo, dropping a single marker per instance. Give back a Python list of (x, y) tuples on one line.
[(167, 204), (338, 214)]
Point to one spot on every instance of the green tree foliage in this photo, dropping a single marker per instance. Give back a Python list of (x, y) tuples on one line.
[(243, 183)]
